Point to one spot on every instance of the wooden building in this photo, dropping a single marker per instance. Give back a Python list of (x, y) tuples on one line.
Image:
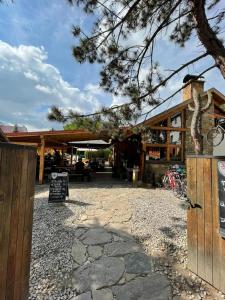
[(168, 140)]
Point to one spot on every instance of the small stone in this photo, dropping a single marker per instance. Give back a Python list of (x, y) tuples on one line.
[(137, 263), (104, 272), (85, 296), (121, 248), (83, 217), (79, 252), (129, 276), (104, 294), (95, 251), (122, 280), (96, 236), (117, 238), (156, 287)]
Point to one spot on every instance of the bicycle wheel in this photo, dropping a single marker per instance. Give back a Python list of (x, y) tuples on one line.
[(215, 136), (166, 182), (177, 188)]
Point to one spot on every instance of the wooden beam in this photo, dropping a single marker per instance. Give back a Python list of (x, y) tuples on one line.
[(25, 144), (42, 161), (168, 128), (164, 145)]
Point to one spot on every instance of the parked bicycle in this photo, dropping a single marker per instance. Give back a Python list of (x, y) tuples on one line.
[(216, 135), (175, 180)]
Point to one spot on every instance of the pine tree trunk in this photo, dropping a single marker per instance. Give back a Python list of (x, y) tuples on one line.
[(207, 36)]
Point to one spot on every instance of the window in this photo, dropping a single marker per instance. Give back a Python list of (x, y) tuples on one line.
[(175, 137), (176, 120), (156, 153)]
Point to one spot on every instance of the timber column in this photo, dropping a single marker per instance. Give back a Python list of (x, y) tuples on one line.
[(42, 160)]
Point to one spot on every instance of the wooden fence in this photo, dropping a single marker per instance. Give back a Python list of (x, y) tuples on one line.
[(17, 178), (206, 247)]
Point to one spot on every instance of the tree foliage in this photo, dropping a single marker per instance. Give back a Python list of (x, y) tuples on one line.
[(124, 59), (84, 123)]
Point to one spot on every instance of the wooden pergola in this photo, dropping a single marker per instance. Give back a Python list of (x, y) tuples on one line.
[(59, 139)]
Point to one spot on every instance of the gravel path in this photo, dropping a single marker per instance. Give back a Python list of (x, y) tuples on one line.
[(53, 236), (155, 218), (159, 219)]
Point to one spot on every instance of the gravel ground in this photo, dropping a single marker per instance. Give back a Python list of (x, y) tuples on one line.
[(158, 222), (51, 261), (159, 219)]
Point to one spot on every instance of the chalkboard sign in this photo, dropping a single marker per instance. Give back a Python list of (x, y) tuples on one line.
[(59, 188), (221, 187)]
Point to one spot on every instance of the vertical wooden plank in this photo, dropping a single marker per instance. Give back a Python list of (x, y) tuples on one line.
[(27, 230), (6, 187), (200, 216), (192, 224), (216, 235), (42, 161), (17, 165), (208, 220), (20, 235)]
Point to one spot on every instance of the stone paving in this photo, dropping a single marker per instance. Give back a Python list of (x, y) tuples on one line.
[(108, 263)]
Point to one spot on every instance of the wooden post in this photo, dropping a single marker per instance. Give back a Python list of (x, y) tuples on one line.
[(17, 179), (142, 160), (42, 161), (71, 157), (182, 135), (168, 141)]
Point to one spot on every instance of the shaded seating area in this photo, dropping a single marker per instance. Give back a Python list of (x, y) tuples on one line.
[(55, 150)]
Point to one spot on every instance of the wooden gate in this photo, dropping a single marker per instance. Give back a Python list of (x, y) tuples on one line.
[(17, 178), (206, 247)]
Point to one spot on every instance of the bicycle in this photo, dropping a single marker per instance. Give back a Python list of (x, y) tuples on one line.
[(216, 135), (175, 180)]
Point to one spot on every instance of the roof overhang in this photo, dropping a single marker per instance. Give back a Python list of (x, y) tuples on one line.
[(59, 138)]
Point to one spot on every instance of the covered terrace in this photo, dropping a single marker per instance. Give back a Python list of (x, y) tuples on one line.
[(60, 139)]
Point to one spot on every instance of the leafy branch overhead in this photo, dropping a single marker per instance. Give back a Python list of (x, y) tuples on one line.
[(124, 40)]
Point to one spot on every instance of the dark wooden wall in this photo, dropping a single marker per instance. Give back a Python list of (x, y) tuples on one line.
[(17, 179), (206, 247)]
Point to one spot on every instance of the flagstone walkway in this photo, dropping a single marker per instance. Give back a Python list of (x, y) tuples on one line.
[(108, 263)]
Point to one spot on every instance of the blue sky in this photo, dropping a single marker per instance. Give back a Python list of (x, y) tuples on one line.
[(37, 69)]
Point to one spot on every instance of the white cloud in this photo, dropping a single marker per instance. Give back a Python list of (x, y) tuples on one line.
[(29, 86), (31, 76)]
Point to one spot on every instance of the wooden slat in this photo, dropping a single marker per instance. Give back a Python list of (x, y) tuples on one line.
[(163, 145), (28, 225), (6, 187), (17, 163), (162, 128), (200, 216), (216, 234), (22, 216), (207, 178), (192, 229)]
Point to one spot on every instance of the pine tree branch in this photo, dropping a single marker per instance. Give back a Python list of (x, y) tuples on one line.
[(117, 107), (179, 90), (213, 45)]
